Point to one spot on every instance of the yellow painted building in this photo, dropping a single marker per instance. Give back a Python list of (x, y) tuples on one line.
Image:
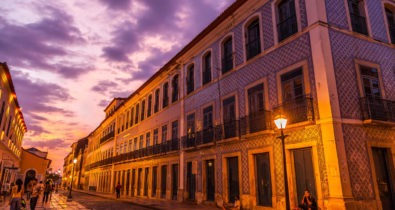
[(34, 164)]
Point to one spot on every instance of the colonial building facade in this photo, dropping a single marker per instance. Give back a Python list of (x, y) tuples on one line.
[(201, 128), (12, 128), (73, 170)]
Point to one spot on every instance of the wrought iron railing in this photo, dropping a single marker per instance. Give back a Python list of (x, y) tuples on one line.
[(296, 110), (158, 149), (227, 63), (358, 24), (106, 137), (377, 109), (253, 48), (287, 28)]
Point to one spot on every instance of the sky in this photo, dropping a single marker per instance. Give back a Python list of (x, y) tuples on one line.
[(69, 58)]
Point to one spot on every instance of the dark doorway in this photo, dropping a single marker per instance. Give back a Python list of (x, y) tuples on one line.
[(154, 180), (210, 180), (384, 177), (190, 182), (304, 172), (146, 182), (163, 182), (233, 178), (139, 181), (127, 182), (174, 183), (133, 181), (263, 179), (123, 183), (30, 174)]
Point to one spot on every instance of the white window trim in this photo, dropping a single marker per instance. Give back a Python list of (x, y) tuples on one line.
[(210, 50), (391, 6), (246, 22), (367, 18), (220, 47), (275, 19)]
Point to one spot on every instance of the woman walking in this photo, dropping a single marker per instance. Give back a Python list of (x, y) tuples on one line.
[(16, 195)]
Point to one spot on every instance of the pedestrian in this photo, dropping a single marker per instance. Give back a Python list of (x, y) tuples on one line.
[(28, 189), (35, 194), (47, 190), (118, 189), (50, 192), (16, 195), (4, 191), (308, 201), (234, 206)]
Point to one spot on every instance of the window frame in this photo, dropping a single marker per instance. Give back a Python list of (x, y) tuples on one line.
[(203, 66), (221, 47), (246, 23), (265, 96), (275, 20), (366, 16), (357, 64), (391, 6), (178, 88), (188, 67)]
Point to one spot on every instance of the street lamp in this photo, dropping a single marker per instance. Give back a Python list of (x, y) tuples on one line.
[(72, 176), (281, 122)]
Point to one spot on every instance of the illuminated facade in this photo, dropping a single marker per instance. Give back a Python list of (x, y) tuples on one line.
[(12, 128), (34, 164), (74, 171), (201, 128)]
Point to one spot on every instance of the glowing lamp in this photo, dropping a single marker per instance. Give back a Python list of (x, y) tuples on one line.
[(280, 122), (75, 161)]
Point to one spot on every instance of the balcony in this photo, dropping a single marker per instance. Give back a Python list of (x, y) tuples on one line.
[(106, 137), (358, 24), (253, 48), (287, 28), (296, 110), (378, 109)]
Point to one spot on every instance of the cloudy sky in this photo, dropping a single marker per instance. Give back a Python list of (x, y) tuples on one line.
[(69, 58)]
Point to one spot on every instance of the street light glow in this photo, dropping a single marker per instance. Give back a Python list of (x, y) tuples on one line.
[(280, 122), (75, 161)]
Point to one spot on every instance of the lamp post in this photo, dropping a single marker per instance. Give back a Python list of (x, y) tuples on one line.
[(72, 177), (281, 122)]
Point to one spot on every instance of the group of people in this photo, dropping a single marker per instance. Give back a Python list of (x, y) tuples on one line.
[(33, 191)]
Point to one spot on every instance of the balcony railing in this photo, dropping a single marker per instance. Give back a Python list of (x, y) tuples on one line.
[(106, 137), (227, 63), (358, 24), (287, 28), (296, 110), (158, 149), (378, 109), (253, 48), (250, 124)]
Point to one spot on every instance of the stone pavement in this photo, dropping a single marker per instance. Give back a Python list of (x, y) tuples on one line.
[(58, 201)]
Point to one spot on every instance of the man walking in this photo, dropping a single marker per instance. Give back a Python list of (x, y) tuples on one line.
[(35, 194), (118, 189)]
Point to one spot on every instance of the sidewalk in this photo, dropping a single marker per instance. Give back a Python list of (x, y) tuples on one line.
[(153, 203), (58, 201)]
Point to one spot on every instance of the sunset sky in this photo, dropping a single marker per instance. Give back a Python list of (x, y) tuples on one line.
[(69, 58)]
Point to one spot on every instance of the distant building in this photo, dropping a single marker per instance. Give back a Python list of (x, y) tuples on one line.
[(34, 164), (12, 128), (70, 168)]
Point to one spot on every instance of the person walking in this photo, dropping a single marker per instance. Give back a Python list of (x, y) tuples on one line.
[(118, 189), (47, 190), (16, 195), (35, 194), (28, 189)]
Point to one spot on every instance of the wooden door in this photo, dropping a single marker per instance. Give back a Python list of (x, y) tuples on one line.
[(304, 172), (233, 179), (210, 180), (133, 181), (263, 180), (154, 180), (383, 178), (163, 182), (174, 183)]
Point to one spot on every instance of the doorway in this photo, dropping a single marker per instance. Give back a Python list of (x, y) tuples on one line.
[(233, 178), (210, 180), (190, 182), (304, 172), (163, 182), (263, 179), (174, 183)]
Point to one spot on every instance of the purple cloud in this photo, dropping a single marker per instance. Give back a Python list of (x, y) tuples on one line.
[(49, 144), (117, 4), (103, 86)]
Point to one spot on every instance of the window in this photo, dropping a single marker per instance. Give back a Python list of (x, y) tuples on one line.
[(174, 130), (207, 68), (208, 124), (142, 110), (130, 145), (141, 142), (253, 43), (174, 83), (121, 149), (156, 133), (127, 120), (229, 117), (391, 23), (131, 116), (165, 95), (125, 147), (370, 82), (191, 127), (257, 121), (164, 133), (135, 144), (147, 139), (190, 79), (357, 16), (156, 107), (227, 55), (292, 85), (136, 119), (149, 106), (287, 22)]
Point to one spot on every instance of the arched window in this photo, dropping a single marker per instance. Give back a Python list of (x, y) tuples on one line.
[(156, 107), (227, 55), (165, 95), (356, 9), (287, 22), (390, 15), (149, 106), (206, 68), (174, 84), (253, 40), (190, 79)]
